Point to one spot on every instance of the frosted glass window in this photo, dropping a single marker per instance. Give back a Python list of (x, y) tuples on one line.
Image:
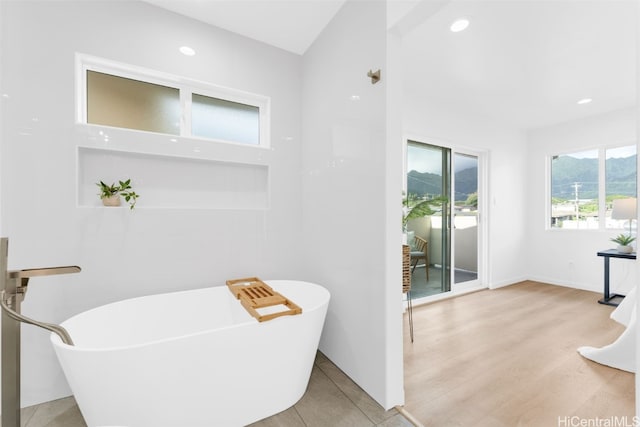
[(132, 104), (130, 97), (225, 120)]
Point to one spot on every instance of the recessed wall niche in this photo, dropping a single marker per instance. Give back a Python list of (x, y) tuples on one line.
[(173, 182)]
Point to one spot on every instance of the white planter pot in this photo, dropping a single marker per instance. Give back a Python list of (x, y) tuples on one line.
[(111, 201), (625, 249)]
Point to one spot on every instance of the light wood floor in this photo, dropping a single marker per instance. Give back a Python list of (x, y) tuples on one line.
[(507, 358)]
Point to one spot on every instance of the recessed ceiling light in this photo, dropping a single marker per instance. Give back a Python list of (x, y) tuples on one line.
[(186, 50), (584, 101), (459, 25)]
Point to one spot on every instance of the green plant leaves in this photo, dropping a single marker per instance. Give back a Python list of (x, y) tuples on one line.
[(623, 239), (124, 189), (417, 208)]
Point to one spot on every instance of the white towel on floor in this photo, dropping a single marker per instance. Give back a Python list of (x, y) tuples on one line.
[(622, 313), (621, 353)]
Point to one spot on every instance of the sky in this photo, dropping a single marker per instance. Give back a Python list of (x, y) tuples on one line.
[(614, 152)]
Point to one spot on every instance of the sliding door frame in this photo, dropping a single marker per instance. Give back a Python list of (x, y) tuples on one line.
[(483, 206), (483, 214)]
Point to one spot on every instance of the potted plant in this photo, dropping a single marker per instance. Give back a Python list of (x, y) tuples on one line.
[(110, 194), (624, 243), (415, 207)]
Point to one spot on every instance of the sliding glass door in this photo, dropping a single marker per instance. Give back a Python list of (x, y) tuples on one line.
[(442, 218), (428, 221), (465, 223)]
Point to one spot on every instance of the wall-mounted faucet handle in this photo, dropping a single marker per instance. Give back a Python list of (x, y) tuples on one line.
[(47, 271), (24, 275)]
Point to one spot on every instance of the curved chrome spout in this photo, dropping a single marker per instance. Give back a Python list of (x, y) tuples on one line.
[(13, 287), (57, 329)]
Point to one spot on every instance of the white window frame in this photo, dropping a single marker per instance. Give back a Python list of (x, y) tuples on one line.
[(186, 87), (602, 204)]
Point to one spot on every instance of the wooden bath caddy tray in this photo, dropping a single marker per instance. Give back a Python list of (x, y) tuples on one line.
[(253, 293)]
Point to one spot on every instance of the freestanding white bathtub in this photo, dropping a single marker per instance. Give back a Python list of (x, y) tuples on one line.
[(191, 359)]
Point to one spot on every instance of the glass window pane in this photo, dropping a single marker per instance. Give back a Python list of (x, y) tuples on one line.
[(426, 216), (225, 120), (424, 179), (574, 190), (132, 104), (465, 218), (620, 179)]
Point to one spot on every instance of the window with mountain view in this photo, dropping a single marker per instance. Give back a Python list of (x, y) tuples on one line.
[(620, 180), (584, 185)]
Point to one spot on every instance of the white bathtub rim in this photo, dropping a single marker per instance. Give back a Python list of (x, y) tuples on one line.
[(57, 341)]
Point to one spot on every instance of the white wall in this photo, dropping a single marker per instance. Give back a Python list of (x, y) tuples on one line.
[(148, 250), (2, 104), (637, 264), (568, 257), (349, 170), (505, 148)]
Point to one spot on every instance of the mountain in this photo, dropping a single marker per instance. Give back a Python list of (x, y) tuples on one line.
[(620, 180), (570, 172), (429, 184), (466, 182), (423, 184)]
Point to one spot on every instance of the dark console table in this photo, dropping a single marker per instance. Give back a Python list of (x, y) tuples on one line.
[(609, 298)]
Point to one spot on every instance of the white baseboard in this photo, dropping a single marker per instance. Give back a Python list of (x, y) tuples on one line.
[(564, 284)]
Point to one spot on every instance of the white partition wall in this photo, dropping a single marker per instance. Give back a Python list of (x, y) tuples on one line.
[(637, 265), (345, 176)]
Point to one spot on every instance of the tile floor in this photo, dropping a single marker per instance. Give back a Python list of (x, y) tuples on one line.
[(331, 400)]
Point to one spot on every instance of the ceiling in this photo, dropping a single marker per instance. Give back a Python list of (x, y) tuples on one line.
[(526, 63), (291, 25), (522, 62)]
